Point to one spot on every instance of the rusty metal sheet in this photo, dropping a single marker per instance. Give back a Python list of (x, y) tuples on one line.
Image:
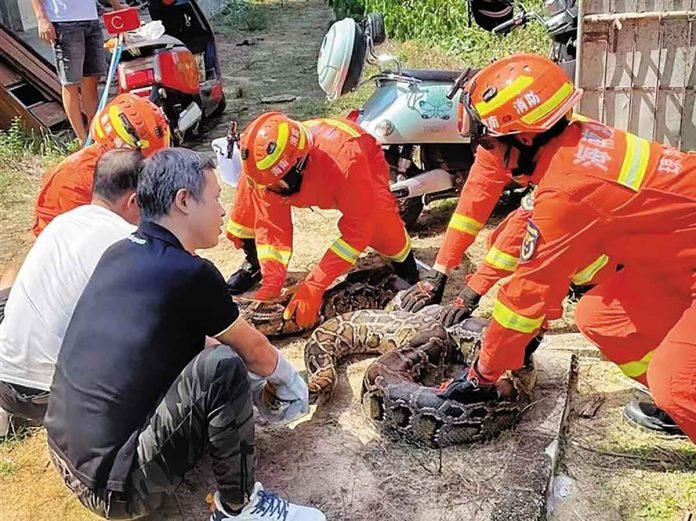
[(636, 65)]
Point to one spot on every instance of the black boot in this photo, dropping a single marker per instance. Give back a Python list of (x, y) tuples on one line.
[(249, 272), (648, 416), (408, 269), (533, 345)]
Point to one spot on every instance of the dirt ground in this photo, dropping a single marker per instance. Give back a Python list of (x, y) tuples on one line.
[(608, 470)]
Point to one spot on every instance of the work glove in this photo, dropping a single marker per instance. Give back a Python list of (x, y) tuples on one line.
[(305, 304), (428, 291), (461, 308), (267, 294), (281, 397), (469, 387)]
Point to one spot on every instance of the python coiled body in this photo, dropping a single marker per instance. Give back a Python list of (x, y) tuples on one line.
[(413, 349)]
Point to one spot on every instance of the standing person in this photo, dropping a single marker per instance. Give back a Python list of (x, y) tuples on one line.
[(601, 190), (133, 369), (52, 278), (73, 30), (128, 121), (327, 163)]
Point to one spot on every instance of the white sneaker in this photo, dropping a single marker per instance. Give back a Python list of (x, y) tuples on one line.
[(266, 506)]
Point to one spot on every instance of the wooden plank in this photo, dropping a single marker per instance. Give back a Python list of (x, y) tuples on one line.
[(49, 113), (8, 76), (10, 108), (29, 64)]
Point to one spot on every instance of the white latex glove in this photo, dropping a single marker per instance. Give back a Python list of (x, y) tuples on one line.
[(283, 396)]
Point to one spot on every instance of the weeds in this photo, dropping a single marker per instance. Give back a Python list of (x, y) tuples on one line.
[(445, 24), (241, 15)]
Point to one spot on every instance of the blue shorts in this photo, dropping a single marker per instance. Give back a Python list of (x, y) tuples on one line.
[(79, 51)]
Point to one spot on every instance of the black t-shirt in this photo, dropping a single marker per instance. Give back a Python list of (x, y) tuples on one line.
[(141, 319)]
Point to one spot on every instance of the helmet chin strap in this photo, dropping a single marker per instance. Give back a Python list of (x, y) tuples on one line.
[(292, 180), (527, 160)]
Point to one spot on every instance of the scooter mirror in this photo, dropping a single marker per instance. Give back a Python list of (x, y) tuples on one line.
[(489, 14), (458, 83)]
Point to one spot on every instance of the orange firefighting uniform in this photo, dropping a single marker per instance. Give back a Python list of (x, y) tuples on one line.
[(504, 246), (345, 170), (66, 186), (603, 191)]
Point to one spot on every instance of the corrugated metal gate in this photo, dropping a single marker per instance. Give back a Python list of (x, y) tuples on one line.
[(636, 65)]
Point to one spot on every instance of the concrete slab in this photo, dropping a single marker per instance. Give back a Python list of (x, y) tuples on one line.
[(339, 463)]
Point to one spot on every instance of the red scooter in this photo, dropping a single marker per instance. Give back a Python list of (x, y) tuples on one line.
[(179, 71)]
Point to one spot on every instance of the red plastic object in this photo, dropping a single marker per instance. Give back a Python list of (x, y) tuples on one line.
[(353, 115), (137, 79), (177, 69), (124, 20)]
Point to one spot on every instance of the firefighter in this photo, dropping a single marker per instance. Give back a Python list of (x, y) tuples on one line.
[(327, 163), (501, 260), (600, 190), (128, 121)]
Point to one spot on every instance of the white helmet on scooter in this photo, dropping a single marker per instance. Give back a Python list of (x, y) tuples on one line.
[(341, 58)]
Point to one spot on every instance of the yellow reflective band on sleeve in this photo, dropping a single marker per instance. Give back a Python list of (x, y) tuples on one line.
[(585, 275), (511, 320), (303, 137), (464, 223), (345, 251), (501, 260), (402, 254), (239, 231), (554, 101), (271, 159), (267, 252), (638, 368), (635, 163), (504, 95)]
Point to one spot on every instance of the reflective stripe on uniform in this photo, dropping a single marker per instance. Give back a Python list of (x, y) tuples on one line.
[(345, 127), (504, 95), (550, 104), (271, 159), (635, 163), (267, 252), (464, 223), (638, 368), (402, 254), (585, 275), (501, 260), (239, 231), (345, 251), (509, 319)]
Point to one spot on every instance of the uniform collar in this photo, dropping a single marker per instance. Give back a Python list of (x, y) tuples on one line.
[(156, 231)]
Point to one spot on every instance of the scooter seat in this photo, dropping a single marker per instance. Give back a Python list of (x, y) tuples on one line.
[(432, 75)]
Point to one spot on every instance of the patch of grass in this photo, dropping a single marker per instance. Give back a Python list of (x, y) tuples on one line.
[(7, 467), (241, 15), (445, 25)]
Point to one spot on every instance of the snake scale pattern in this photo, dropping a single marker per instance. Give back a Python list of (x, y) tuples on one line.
[(414, 348), (415, 353)]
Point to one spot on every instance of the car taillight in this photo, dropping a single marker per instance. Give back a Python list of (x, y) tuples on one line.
[(353, 115), (137, 79)]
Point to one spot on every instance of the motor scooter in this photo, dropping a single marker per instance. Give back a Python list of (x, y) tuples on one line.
[(179, 71), (411, 113)]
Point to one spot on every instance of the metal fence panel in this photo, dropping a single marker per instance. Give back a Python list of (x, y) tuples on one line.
[(636, 65)]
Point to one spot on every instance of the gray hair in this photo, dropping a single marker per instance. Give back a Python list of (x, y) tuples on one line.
[(165, 173), (117, 173)]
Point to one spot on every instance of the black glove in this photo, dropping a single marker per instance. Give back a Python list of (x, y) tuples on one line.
[(468, 387), (428, 291), (462, 307)]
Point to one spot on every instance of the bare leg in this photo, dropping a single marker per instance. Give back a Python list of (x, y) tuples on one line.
[(8, 277), (71, 104), (90, 96)]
